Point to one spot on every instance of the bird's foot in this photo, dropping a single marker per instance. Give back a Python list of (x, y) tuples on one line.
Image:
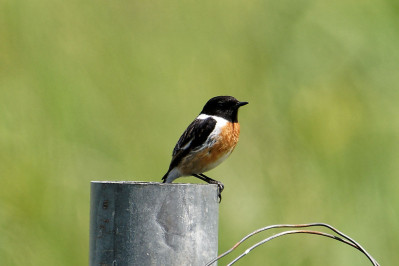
[(220, 189), (212, 181)]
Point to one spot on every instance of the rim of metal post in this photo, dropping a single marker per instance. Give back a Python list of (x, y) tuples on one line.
[(343, 238)]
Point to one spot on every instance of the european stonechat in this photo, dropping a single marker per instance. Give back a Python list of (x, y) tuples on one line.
[(207, 141)]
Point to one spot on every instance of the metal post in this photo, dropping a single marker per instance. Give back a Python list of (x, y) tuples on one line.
[(139, 223)]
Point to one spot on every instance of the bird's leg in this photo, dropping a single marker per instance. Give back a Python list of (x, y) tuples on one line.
[(212, 181)]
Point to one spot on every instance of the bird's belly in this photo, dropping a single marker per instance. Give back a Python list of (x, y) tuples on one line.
[(210, 156)]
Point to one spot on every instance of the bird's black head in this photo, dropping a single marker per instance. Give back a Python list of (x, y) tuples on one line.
[(223, 106)]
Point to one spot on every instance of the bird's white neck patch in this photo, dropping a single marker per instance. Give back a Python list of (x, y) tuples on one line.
[(220, 120)]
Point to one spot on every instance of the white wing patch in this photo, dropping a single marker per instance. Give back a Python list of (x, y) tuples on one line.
[(187, 145), (220, 123)]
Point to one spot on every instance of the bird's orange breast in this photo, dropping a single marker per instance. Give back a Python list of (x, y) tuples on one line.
[(228, 139), (210, 157)]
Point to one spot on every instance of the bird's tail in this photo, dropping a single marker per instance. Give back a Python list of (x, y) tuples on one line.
[(165, 177), (171, 175)]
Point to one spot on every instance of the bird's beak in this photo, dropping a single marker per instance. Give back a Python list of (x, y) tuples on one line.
[(242, 104)]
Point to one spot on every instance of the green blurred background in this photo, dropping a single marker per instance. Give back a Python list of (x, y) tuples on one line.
[(102, 90)]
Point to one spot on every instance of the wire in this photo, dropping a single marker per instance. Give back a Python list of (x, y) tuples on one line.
[(343, 238)]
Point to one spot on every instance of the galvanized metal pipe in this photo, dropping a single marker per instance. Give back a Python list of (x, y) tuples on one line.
[(140, 223)]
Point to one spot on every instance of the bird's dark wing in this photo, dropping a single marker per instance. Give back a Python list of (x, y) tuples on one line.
[(193, 137)]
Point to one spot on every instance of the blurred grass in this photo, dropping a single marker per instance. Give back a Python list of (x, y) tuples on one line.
[(102, 90)]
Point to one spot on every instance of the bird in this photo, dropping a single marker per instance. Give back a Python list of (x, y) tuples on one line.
[(207, 141)]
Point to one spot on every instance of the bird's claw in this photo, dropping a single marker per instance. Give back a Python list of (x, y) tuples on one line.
[(220, 189)]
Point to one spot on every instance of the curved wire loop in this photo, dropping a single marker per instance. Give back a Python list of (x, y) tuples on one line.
[(342, 238)]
